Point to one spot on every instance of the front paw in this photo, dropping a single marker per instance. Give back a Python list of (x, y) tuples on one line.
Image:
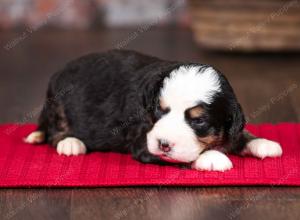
[(212, 160), (262, 148)]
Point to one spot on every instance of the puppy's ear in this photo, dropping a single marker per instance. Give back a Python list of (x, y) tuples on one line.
[(236, 123), (238, 119), (152, 81), (150, 95), (149, 91), (234, 116)]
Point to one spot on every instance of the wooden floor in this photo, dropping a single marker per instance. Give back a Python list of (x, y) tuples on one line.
[(267, 86)]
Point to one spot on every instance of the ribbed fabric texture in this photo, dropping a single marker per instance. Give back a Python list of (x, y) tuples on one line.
[(24, 165)]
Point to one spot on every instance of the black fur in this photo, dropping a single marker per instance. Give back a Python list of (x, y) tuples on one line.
[(110, 101)]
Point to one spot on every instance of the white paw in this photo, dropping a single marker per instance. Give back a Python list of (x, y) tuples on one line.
[(35, 137), (264, 148), (70, 146), (212, 160)]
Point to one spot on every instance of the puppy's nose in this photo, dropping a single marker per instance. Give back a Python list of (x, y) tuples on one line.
[(164, 145)]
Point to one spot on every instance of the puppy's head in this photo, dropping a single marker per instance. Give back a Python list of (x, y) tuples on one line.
[(195, 109)]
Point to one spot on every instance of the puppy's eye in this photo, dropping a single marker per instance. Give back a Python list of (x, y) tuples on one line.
[(198, 121)]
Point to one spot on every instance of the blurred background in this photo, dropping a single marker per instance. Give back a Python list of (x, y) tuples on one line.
[(254, 43)]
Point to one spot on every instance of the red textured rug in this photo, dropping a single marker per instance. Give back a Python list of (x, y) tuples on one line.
[(24, 165)]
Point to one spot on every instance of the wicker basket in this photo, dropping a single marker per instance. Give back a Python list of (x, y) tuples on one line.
[(241, 25)]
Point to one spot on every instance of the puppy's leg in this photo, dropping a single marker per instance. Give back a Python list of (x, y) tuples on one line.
[(262, 148), (257, 147), (212, 160), (70, 146)]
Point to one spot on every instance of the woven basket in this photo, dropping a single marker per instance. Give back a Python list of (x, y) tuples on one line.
[(240, 25)]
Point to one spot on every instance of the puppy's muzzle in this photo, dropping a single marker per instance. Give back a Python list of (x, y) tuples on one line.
[(165, 145)]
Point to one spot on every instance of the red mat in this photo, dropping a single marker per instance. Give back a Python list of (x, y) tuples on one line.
[(24, 165)]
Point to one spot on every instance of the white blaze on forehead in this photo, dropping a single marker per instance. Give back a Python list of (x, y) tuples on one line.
[(187, 85)]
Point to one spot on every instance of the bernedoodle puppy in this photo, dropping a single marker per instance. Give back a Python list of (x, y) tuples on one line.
[(159, 111)]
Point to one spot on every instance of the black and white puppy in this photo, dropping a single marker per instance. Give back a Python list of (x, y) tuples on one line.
[(159, 111)]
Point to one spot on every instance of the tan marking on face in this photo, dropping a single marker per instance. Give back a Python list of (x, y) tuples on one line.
[(162, 104), (212, 140), (208, 140), (196, 112)]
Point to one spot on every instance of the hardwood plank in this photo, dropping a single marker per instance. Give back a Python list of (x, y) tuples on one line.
[(186, 203), (34, 204), (151, 203)]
